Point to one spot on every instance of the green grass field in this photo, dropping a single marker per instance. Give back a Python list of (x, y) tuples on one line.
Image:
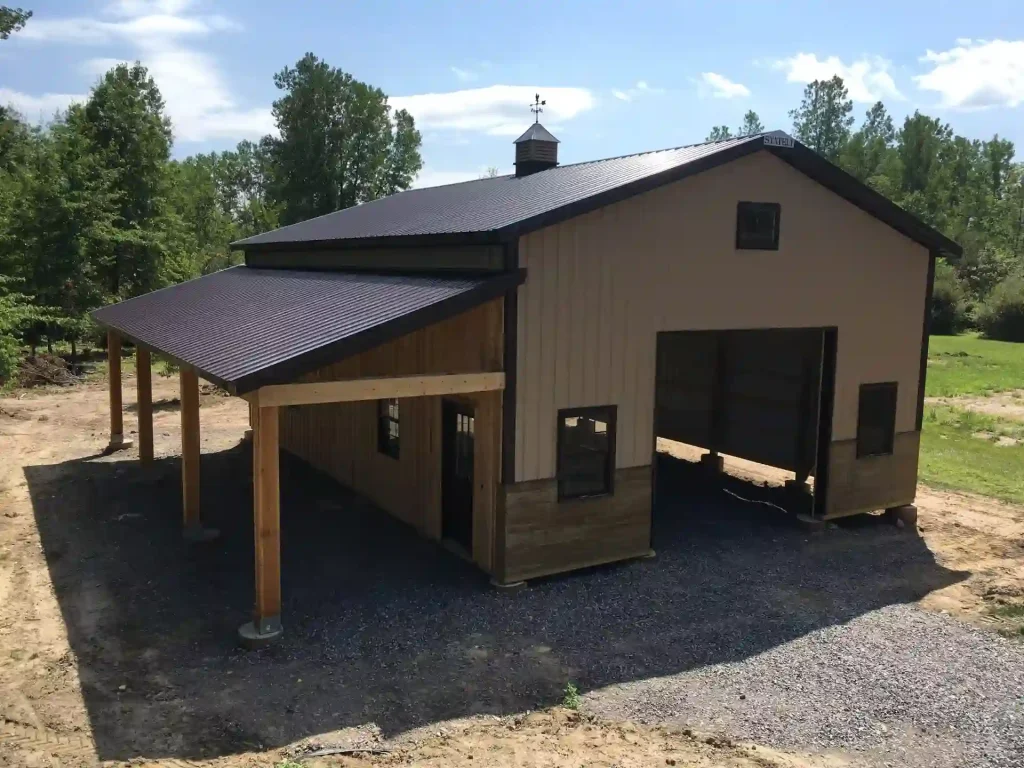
[(959, 448), (968, 365)]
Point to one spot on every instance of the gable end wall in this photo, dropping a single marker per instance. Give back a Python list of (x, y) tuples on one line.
[(600, 286)]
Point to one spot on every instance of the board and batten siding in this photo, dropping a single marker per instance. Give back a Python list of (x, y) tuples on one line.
[(340, 439), (600, 287)]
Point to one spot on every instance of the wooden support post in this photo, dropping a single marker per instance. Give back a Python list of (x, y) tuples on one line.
[(117, 441), (144, 389), (712, 461), (190, 452), (266, 494)]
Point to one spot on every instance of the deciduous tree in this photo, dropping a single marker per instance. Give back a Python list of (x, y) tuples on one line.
[(340, 143), (11, 20)]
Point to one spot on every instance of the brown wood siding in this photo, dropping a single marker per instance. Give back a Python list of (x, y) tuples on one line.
[(601, 286), (341, 438), (544, 536), (872, 482)]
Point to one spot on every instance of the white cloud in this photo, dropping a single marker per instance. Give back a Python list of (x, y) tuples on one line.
[(144, 7), (198, 101), (639, 89), (497, 110), (721, 87), (977, 74), (464, 75), (867, 79), (153, 28), (38, 108)]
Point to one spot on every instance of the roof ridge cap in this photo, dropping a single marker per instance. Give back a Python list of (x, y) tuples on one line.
[(732, 141)]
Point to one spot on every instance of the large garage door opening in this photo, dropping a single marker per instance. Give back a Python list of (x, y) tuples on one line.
[(749, 405)]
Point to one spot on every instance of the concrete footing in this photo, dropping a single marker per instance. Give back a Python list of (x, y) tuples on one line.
[(254, 637), (905, 516), (511, 586), (117, 443), (197, 534), (810, 524)]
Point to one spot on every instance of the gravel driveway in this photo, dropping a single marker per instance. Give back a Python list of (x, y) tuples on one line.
[(898, 686), (742, 624)]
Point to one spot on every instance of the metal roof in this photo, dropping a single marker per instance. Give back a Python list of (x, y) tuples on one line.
[(504, 207), (536, 132), (244, 327), (483, 205)]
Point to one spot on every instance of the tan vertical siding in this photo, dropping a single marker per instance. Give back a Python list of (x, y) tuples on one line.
[(600, 286)]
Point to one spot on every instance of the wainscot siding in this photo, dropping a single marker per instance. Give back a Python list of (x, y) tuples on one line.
[(872, 482), (545, 536)]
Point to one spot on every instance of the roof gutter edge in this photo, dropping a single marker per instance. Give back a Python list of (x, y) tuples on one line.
[(203, 374)]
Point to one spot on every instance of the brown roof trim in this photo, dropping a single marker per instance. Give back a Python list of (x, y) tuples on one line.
[(834, 178), (291, 369)]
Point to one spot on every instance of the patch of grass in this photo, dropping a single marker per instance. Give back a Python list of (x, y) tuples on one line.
[(1014, 615), (967, 420), (289, 764), (952, 457), (1009, 612), (968, 365), (571, 697)]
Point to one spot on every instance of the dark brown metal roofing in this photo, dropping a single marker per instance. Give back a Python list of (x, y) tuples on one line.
[(504, 207), (244, 328), (537, 132)]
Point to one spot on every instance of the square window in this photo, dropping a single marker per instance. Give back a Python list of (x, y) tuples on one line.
[(586, 452), (876, 419), (388, 432), (757, 226)]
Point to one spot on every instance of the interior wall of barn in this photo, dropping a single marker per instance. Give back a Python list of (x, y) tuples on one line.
[(341, 439), (601, 286), (752, 394)]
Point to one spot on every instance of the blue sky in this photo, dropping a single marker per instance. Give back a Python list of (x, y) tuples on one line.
[(618, 77)]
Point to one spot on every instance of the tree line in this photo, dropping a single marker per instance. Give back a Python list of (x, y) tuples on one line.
[(971, 190), (93, 209)]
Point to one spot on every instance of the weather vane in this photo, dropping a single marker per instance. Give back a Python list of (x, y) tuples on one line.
[(537, 107)]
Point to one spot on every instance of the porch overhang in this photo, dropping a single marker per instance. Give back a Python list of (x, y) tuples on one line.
[(245, 328)]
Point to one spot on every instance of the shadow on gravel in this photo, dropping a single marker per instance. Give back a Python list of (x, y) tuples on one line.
[(382, 626)]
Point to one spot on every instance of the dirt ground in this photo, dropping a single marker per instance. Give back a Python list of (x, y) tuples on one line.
[(77, 662), (1006, 405)]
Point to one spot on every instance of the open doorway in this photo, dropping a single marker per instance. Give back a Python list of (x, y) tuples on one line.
[(458, 428), (746, 405)]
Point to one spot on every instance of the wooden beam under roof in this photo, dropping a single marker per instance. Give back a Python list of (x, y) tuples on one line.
[(377, 388)]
